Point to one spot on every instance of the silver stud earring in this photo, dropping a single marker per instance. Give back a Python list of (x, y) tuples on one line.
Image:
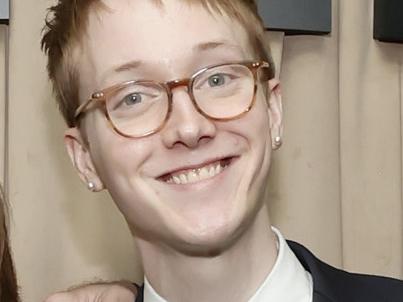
[(278, 142), (91, 186)]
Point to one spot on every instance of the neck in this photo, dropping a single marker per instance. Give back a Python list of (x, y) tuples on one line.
[(233, 275)]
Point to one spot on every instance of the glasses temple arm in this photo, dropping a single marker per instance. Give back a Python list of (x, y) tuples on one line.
[(82, 108)]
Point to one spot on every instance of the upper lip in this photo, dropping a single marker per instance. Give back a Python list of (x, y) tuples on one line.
[(194, 166)]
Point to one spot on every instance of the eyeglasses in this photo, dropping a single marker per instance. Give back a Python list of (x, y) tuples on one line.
[(222, 92)]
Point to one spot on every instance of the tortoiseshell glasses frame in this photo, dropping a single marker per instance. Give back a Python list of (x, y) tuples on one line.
[(101, 97)]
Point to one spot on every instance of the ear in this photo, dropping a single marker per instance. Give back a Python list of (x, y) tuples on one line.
[(79, 154), (275, 109)]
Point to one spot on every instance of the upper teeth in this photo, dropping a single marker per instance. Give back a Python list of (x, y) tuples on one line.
[(195, 175)]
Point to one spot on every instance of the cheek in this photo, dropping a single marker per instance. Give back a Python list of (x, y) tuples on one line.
[(118, 160), (256, 127), (119, 164), (262, 136)]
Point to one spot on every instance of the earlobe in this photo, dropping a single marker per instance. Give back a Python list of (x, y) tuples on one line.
[(275, 110), (81, 159)]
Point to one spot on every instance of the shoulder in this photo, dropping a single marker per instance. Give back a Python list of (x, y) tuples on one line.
[(332, 284)]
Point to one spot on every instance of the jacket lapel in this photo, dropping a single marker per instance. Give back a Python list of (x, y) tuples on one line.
[(322, 290), (140, 294)]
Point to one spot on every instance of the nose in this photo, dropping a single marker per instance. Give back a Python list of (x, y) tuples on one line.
[(186, 127)]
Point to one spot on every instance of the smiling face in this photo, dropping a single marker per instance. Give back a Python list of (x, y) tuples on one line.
[(197, 183)]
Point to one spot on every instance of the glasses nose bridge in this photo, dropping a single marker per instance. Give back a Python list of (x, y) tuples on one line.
[(171, 85), (186, 82)]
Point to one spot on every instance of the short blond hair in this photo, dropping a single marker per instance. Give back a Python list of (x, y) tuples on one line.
[(66, 24)]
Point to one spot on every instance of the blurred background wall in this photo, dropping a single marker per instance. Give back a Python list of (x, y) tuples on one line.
[(335, 185)]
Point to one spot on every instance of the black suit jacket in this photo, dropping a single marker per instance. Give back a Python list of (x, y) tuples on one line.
[(333, 285)]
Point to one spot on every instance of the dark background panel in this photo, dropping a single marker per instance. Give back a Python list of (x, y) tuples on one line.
[(297, 16), (388, 20)]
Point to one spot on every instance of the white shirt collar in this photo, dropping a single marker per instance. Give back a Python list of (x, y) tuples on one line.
[(287, 273)]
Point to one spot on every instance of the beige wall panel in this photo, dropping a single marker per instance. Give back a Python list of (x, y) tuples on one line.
[(63, 234), (3, 43), (304, 184), (370, 145)]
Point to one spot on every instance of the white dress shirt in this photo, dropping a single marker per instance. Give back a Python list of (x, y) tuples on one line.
[(288, 281)]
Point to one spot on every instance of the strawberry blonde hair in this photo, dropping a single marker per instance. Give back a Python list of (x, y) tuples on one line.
[(66, 24)]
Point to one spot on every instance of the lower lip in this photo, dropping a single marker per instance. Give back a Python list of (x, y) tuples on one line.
[(206, 181)]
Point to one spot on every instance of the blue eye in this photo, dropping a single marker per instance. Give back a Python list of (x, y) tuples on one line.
[(216, 80), (132, 99)]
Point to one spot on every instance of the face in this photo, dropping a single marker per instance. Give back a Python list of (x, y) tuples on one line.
[(138, 40)]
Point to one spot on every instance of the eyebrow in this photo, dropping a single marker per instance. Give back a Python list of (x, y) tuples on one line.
[(204, 46), (128, 66)]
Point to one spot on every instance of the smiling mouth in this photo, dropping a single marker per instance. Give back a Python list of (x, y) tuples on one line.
[(189, 176)]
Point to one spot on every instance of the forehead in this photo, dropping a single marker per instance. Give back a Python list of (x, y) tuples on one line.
[(167, 34)]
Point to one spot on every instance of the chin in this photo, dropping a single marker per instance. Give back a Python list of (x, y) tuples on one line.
[(213, 237), (208, 244)]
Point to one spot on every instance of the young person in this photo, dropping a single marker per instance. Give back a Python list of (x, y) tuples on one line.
[(172, 106)]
